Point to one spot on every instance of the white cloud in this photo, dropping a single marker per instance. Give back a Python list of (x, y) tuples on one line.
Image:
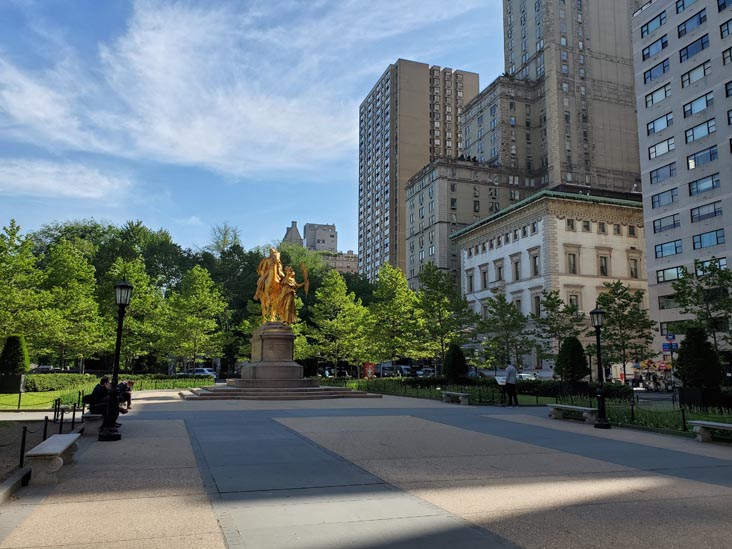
[(241, 89), (20, 177)]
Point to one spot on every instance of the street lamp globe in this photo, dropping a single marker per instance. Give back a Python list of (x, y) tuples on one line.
[(123, 293), (597, 317)]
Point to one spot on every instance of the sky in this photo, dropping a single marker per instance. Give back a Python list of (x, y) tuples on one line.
[(188, 114)]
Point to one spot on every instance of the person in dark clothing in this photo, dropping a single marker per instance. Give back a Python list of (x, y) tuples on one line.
[(98, 400), (125, 393)]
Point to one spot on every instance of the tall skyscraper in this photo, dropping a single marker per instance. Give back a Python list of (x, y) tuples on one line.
[(565, 109), (409, 118), (683, 72)]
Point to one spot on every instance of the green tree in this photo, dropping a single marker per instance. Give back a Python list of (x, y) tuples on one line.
[(395, 321), (192, 327), (447, 317), (145, 315), (223, 237), (698, 364), (707, 295), (455, 366), (72, 327), (628, 330), (505, 328), (360, 285), (337, 319), (21, 299), (14, 357), (556, 322), (572, 361)]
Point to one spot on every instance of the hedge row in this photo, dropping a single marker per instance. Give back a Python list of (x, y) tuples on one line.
[(41, 383), (62, 382)]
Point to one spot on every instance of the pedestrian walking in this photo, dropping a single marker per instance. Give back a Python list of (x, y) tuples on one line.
[(511, 376)]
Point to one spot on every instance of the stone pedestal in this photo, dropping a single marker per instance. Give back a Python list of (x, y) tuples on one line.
[(272, 364)]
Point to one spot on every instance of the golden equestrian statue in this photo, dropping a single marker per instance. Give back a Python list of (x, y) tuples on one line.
[(277, 288)]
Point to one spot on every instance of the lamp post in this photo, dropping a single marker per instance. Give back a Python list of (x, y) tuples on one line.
[(597, 317), (109, 431)]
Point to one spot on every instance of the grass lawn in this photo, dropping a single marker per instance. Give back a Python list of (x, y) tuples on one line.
[(29, 401)]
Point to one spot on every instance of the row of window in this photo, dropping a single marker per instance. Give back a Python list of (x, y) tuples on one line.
[(602, 227), (697, 187), (702, 240), (681, 5), (506, 238), (674, 273)]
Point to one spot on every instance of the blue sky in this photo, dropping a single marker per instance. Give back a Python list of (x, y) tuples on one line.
[(186, 114)]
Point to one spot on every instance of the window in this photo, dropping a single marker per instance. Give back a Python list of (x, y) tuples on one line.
[(469, 283), (727, 56), (697, 73), (659, 149), (673, 327), (705, 240), (534, 227), (668, 248), (655, 47), (453, 203), (656, 71), (665, 198), (476, 205), (701, 130), (724, 29), (666, 223), (692, 22), (704, 184), (572, 263), (601, 228), (586, 226), (604, 265), (666, 275), (706, 211), (721, 4), (667, 302), (633, 267), (721, 263), (653, 24), (700, 158), (660, 123), (699, 104), (728, 89), (570, 225), (616, 229), (681, 5), (695, 47), (631, 230), (535, 270), (663, 173), (658, 95), (516, 270), (574, 300)]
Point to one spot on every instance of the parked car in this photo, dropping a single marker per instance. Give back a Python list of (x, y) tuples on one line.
[(206, 372), (528, 377), (43, 369)]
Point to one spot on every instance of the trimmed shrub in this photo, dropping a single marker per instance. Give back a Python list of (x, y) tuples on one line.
[(572, 361), (455, 366), (698, 365), (41, 383), (14, 358)]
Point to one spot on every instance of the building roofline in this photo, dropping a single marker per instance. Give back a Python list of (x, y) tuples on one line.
[(644, 7), (545, 195)]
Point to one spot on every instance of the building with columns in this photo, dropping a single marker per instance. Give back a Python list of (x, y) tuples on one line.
[(552, 240)]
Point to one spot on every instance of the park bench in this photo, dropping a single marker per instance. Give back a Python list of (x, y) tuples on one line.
[(451, 396), (49, 456), (703, 429), (557, 411)]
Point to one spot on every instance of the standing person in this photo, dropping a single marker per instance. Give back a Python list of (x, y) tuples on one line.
[(511, 385)]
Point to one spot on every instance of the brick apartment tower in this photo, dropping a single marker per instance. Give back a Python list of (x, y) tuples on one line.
[(409, 118), (569, 119)]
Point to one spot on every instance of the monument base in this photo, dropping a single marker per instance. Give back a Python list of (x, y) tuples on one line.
[(272, 364)]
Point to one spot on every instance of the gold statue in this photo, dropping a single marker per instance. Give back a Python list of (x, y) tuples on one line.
[(276, 288)]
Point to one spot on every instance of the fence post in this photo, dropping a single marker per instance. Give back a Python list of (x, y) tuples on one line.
[(73, 417), (61, 423), (683, 418), (45, 428), (22, 446), (632, 412), (78, 399), (20, 394)]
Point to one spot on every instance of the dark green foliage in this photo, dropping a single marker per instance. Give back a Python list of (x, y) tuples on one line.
[(572, 361), (14, 358), (41, 383), (698, 365), (455, 366)]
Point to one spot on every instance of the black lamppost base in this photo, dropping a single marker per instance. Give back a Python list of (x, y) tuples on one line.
[(109, 435), (602, 424)]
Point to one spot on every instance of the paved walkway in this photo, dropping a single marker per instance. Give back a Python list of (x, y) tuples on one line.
[(377, 473)]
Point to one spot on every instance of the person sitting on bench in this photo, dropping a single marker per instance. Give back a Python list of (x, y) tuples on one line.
[(98, 400), (125, 393)]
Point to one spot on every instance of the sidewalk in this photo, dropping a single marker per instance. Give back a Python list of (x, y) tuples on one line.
[(377, 473)]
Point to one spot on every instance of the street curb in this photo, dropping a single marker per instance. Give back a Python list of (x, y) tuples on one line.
[(19, 478)]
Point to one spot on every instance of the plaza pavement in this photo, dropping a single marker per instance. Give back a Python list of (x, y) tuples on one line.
[(375, 473)]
